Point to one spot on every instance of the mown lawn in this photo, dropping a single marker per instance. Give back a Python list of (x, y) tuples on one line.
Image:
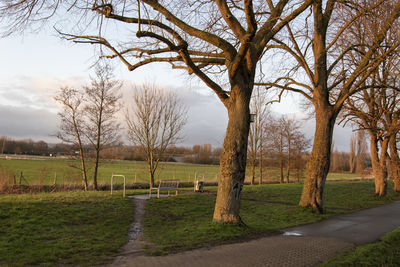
[(43, 171), (89, 228), (62, 228), (184, 222)]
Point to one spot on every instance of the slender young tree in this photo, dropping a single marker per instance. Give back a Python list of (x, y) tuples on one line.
[(361, 151), (71, 125), (353, 154), (155, 122), (102, 99), (258, 107)]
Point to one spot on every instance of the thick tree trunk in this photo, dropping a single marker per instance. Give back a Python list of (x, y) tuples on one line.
[(379, 165), (233, 158), (395, 163), (318, 163)]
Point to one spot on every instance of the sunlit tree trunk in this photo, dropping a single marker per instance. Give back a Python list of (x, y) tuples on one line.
[(395, 163), (233, 156), (318, 163), (379, 165)]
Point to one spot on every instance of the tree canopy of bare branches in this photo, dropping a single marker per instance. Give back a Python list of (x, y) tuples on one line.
[(72, 124), (155, 121), (102, 102), (320, 48), (210, 39)]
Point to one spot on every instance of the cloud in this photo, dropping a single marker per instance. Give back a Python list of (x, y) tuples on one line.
[(31, 112), (23, 123), (207, 118)]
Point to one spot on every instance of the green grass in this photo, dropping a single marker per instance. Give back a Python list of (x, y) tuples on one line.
[(41, 171), (89, 228), (383, 253), (343, 175), (62, 228), (184, 222)]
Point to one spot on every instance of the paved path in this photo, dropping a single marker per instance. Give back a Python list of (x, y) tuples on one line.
[(307, 245)]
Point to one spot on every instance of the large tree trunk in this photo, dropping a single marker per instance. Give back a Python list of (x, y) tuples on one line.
[(395, 163), (233, 157), (379, 165), (318, 163)]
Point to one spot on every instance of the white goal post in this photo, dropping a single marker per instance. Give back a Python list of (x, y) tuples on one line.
[(112, 181)]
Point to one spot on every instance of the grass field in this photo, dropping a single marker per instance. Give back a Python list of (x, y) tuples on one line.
[(88, 228), (43, 171), (184, 222), (72, 228)]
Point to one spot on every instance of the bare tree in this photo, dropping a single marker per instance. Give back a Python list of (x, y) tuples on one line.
[(319, 46), (155, 121), (294, 137), (71, 126), (102, 104), (258, 107), (361, 151), (353, 153), (275, 143), (210, 39)]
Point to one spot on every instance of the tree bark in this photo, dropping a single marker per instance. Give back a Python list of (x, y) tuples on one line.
[(395, 163), (379, 165), (233, 157), (317, 166)]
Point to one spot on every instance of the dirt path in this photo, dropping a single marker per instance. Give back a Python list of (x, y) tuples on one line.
[(136, 241)]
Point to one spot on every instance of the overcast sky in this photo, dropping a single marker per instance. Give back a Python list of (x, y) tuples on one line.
[(34, 66)]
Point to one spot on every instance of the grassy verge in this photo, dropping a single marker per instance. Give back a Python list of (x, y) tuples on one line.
[(184, 222), (62, 228), (383, 253)]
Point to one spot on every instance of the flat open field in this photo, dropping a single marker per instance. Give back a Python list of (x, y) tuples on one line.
[(46, 171)]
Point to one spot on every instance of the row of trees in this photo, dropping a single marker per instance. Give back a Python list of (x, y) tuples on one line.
[(26, 146), (331, 49), (272, 137), (154, 120)]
